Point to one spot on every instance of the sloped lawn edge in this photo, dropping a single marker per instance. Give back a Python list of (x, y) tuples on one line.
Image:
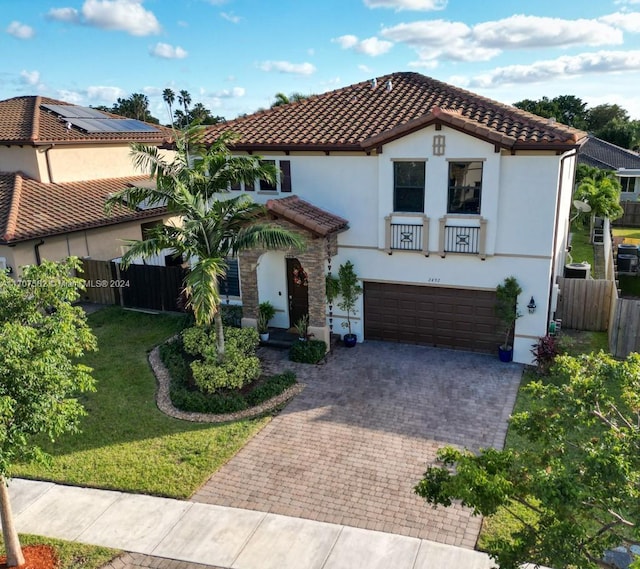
[(163, 399)]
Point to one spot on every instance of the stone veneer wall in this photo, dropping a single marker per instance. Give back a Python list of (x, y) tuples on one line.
[(313, 259)]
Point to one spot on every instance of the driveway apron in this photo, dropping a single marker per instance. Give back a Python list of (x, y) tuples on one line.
[(352, 446)]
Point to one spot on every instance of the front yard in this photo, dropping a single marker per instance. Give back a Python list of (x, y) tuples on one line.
[(126, 442), (502, 523)]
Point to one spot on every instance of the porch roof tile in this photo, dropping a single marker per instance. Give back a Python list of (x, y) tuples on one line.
[(30, 209), (306, 215)]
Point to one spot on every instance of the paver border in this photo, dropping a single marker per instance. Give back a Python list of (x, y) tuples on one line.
[(164, 403)]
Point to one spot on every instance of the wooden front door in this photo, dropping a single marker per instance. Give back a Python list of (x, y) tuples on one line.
[(298, 290)]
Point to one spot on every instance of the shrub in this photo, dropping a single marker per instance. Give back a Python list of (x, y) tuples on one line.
[(231, 315), (245, 339), (236, 370), (309, 352), (544, 353), (271, 387), (198, 340)]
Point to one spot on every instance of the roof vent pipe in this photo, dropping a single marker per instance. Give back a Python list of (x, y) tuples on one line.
[(389, 85), (374, 83)]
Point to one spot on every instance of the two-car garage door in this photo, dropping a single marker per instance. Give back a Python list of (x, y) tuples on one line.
[(432, 316)]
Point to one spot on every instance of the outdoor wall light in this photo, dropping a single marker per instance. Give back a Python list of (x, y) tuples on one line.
[(531, 306)]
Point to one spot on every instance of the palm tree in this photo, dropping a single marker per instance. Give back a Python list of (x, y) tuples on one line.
[(169, 97), (212, 229), (185, 100)]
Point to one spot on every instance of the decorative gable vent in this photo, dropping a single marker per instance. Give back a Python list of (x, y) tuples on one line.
[(438, 145)]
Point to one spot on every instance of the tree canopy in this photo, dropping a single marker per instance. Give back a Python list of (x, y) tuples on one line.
[(574, 484), (134, 107), (609, 122), (42, 338)]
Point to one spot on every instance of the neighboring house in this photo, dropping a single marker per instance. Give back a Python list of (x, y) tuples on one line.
[(434, 193), (58, 164), (625, 163)]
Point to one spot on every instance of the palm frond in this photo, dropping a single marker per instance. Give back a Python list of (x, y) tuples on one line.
[(201, 288), (267, 236)]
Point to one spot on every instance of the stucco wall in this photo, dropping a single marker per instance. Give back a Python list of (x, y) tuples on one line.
[(23, 159), (100, 244), (519, 198)]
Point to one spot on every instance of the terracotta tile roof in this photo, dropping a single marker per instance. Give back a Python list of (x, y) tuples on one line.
[(603, 154), (360, 117), (30, 209), (308, 216), (23, 120)]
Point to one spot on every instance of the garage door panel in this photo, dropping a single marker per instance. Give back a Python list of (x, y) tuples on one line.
[(452, 318)]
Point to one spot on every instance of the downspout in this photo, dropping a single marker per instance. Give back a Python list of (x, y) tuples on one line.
[(48, 161), (555, 231), (36, 250)]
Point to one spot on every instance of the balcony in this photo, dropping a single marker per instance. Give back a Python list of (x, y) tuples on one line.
[(407, 232), (461, 234)]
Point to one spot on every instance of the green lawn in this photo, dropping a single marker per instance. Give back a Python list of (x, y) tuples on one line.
[(502, 523), (71, 555), (627, 232), (126, 442), (581, 249)]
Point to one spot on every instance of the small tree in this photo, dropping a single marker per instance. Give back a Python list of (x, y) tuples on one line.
[(507, 307), (350, 290), (603, 195), (42, 337), (572, 486)]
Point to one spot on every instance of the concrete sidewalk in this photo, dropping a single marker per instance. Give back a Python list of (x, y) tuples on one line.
[(220, 536)]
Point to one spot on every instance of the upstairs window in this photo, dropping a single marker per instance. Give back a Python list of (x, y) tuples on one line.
[(283, 180), (264, 185), (408, 187), (628, 184), (465, 187)]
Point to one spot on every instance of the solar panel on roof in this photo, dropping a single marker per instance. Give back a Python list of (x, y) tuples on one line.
[(111, 125), (74, 111), (93, 121)]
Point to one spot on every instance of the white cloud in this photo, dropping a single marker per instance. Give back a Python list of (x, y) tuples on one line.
[(230, 93), (436, 40), (122, 15), (70, 15), (346, 42), (563, 67), (399, 5), (30, 77), (20, 31), (167, 51), (628, 21), (521, 31), (102, 93), (72, 97), (230, 17), (428, 33), (424, 64), (365, 69), (288, 67), (370, 46)]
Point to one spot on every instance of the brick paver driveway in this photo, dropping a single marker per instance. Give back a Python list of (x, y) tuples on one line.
[(350, 448)]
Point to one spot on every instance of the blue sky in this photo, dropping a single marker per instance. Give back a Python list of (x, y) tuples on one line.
[(234, 55)]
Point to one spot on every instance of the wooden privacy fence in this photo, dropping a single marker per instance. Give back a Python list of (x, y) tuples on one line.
[(624, 332), (140, 286), (98, 276), (631, 216), (585, 304)]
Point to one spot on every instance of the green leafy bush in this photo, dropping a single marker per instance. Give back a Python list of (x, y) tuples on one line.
[(231, 315), (236, 370), (186, 396), (271, 387), (309, 352)]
